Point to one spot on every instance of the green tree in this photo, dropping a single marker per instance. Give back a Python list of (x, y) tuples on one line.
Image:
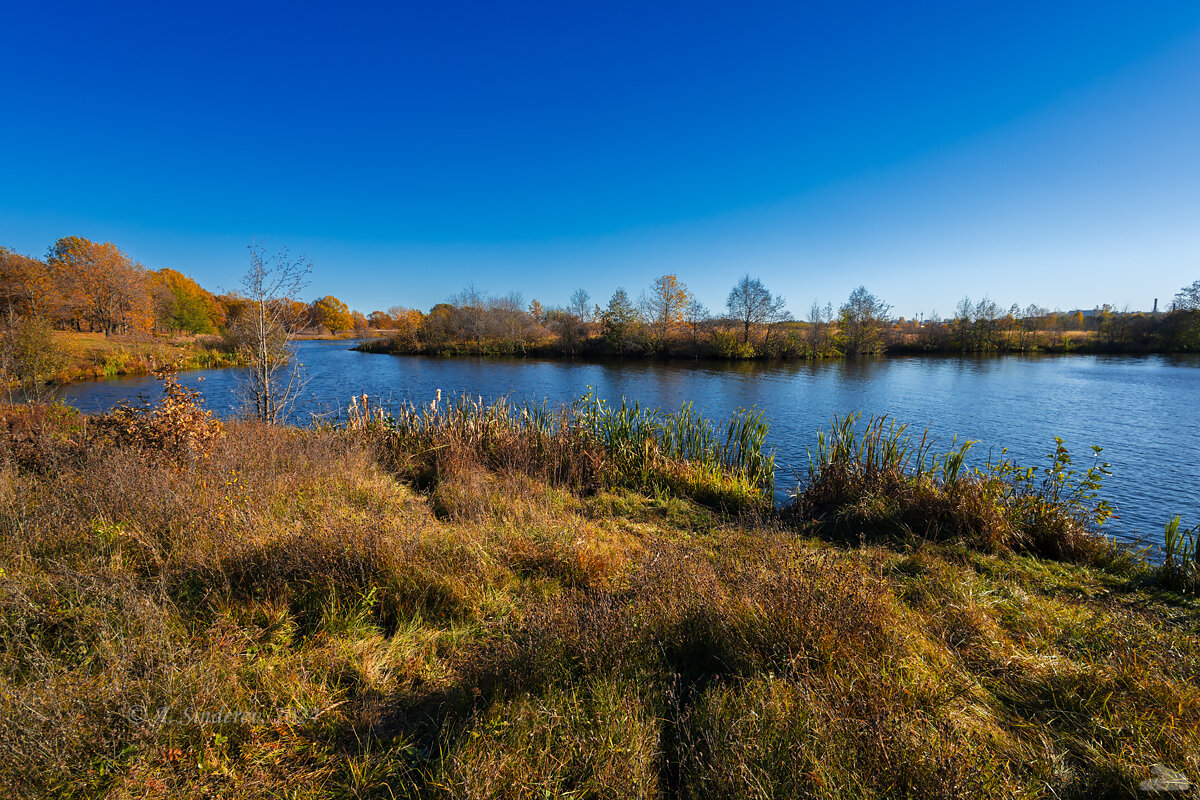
[(619, 321), (181, 304), (1185, 317)]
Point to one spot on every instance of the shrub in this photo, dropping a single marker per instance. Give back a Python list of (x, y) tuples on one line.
[(178, 427)]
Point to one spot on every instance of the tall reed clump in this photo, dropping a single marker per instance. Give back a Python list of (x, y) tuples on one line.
[(1181, 557), (584, 446), (684, 451), (881, 478)]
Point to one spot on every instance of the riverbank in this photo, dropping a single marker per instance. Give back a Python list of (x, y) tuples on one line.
[(786, 346), (86, 356), (451, 605)]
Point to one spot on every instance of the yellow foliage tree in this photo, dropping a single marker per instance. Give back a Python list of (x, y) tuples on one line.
[(332, 313), (665, 306)]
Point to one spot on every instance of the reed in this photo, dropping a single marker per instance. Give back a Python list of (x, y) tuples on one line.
[(881, 479), (1181, 557), (585, 445)]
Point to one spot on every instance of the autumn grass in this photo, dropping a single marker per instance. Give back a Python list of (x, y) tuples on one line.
[(584, 446), (93, 355), (328, 613)]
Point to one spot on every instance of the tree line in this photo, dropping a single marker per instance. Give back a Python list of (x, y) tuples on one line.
[(95, 287), (668, 320), (82, 285)]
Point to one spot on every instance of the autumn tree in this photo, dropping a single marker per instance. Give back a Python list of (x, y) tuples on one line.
[(380, 320), (28, 355), (101, 285), (438, 326), (507, 323), (537, 311), (571, 330), (406, 324), (26, 287), (861, 320), (332, 313), (664, 306), (750, 303)]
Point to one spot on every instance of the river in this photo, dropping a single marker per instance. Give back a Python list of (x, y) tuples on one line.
[(1144, 411)]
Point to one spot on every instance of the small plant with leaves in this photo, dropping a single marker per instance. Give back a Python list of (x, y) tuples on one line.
[(1059, 509), (880, 479), (1181, 557)]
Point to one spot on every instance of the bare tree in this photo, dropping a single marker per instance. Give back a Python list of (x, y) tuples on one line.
[(580, 305), (695, 315), (775, 313), (264, 331), (750, 303), (820, 320)]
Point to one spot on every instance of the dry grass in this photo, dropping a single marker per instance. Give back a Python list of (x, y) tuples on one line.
[(293, 615), (94, 355)]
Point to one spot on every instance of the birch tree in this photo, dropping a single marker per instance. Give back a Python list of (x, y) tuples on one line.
[(264, 329)]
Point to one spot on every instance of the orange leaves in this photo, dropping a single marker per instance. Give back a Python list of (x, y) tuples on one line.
[(177, 427), (100, 285)]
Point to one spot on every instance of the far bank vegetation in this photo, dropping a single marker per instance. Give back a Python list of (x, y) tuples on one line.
[(86, 310), (668, 320)]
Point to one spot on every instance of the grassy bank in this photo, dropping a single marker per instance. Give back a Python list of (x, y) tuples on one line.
[(465, 601), (87, 356)]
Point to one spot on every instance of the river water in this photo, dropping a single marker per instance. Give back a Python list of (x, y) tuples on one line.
[(1144, 411)]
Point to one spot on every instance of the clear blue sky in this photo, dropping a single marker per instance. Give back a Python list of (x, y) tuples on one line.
[(1034, 152)]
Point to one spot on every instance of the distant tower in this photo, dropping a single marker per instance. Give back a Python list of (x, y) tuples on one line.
[(1156, 305)]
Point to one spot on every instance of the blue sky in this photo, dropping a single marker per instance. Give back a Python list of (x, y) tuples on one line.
[(1032, 152)]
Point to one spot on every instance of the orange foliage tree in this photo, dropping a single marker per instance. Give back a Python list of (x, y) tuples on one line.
[(101, 286), (25, 285)]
